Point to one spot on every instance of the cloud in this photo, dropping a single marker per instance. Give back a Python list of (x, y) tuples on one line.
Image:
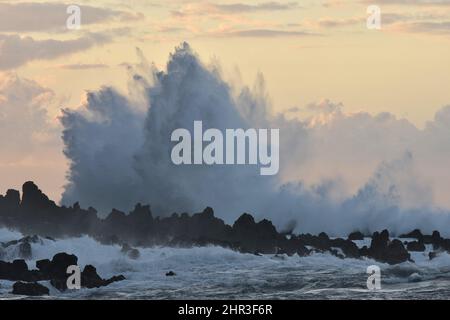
[(411, 2), (328, 22), (206, 19), (418, 22), (423, 27), (83, 66), (16, 50), (265, 6), (29, 135), (35, 17), (22, 109), (335, 3), (167, 29), (263, 33), (429, 22), (233, 8)]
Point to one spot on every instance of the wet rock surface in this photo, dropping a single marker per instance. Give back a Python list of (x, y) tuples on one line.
[(54, 270), (30, 289), (385, 250), (356, 236)]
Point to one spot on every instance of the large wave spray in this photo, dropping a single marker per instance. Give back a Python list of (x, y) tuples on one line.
[(120, 154)]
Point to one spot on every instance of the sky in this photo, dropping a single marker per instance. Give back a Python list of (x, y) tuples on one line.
[(309, 52)]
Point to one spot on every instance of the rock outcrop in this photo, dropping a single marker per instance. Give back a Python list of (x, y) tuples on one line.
[(384, 250), (35, 213), (356, 236), (54, 270), (30, 289), (90, 278), (415, 246)]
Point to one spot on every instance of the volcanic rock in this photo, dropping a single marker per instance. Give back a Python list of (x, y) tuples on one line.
[(29, 289), (415, 246), (356, 236), (415, 234), (90, 278), (383, 250)]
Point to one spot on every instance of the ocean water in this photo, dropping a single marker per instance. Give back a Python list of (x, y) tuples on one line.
[(218, 273)]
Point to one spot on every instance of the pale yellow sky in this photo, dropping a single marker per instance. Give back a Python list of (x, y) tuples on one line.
[(395, 69), (307, 51)]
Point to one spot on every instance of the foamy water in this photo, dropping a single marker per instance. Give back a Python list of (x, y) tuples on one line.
[(214, 272)]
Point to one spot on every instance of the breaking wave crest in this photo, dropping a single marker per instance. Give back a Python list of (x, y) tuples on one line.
[(386, 170)]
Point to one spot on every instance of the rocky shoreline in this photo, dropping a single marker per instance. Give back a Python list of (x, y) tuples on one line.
[(54, 270), (33, 213)]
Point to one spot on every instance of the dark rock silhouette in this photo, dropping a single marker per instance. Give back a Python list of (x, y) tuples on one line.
[(34, 198), (356, 236), (415, 246), (434, 239), (90, 278), (57, 268), (35, 213), (17, 270), (320, 242), (11, 199), (54, 270), (349, 248), (45, 266), (170, 274), (415, 234), (30, 289), (384, 250), (291, 246), (364, 251), (252, 237)]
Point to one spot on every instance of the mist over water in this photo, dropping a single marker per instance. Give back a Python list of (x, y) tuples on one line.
[(338, 172)]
